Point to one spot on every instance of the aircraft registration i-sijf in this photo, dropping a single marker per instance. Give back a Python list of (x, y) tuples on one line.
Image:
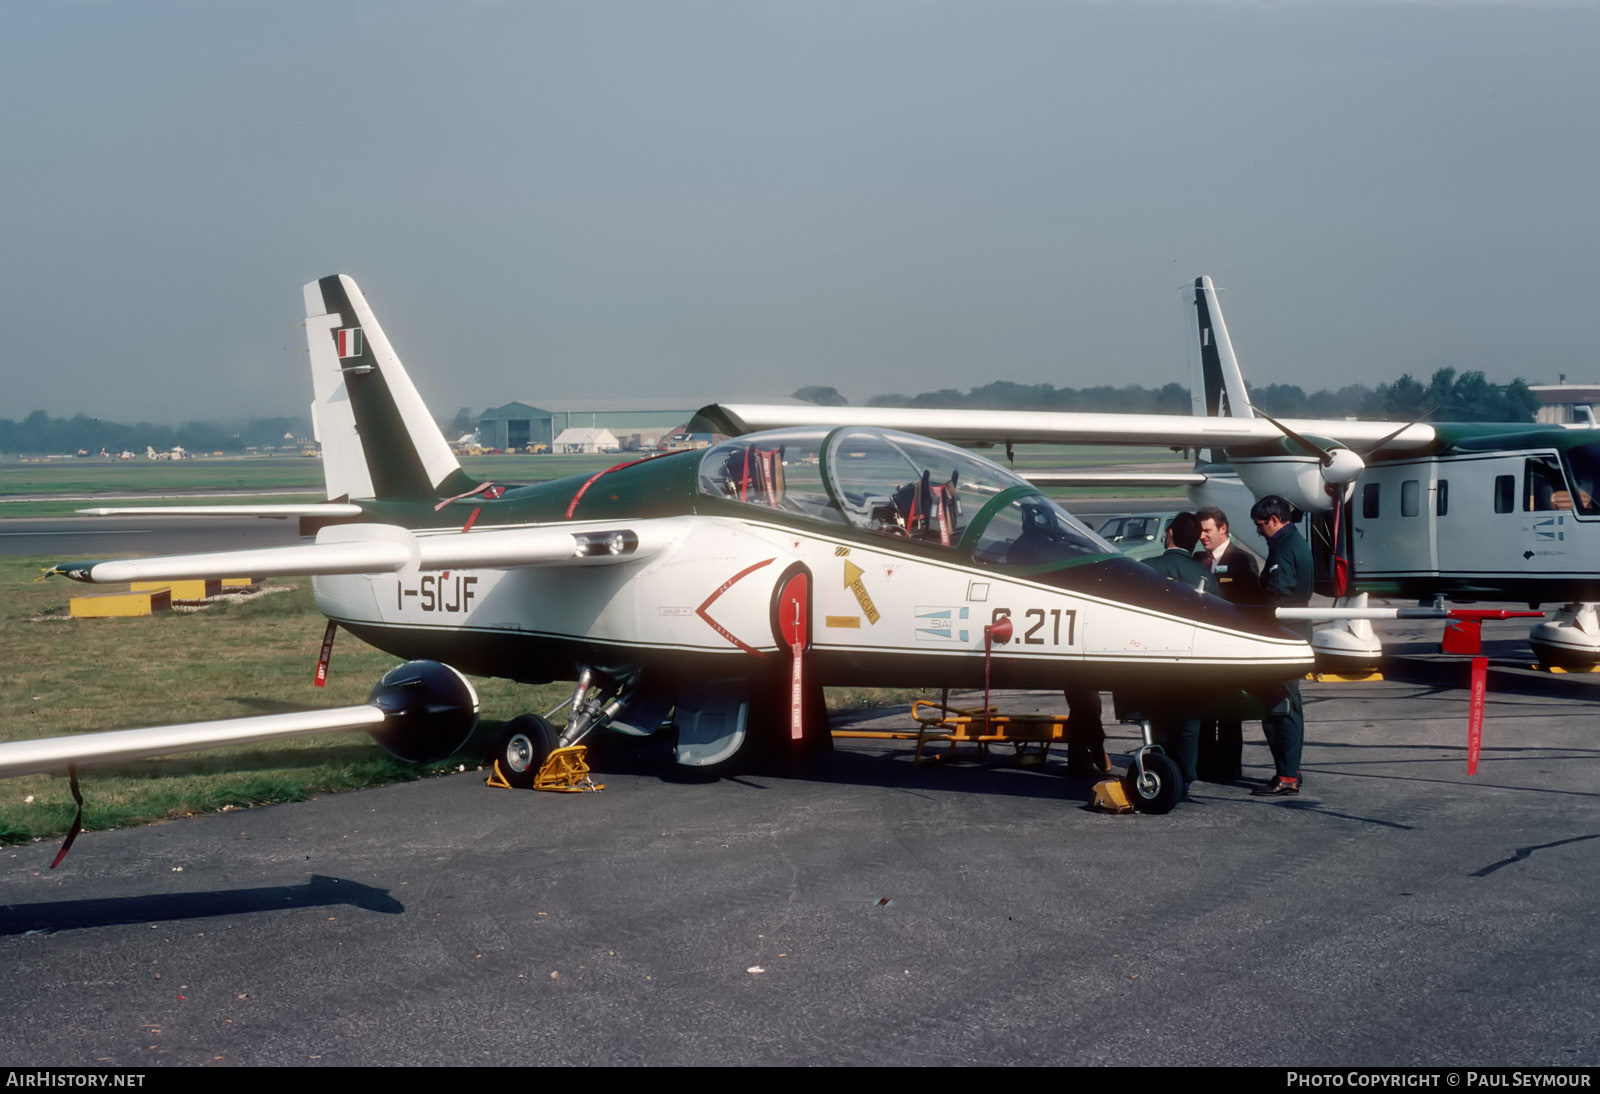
[(721, 589), (1468, 511)]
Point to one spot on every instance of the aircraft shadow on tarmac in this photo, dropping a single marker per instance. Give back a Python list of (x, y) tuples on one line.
[(319, 891), (861, 763), (1510, 672), (889, 764), (1523, 853)]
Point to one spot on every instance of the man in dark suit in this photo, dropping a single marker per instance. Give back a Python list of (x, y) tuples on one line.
[(1236, 568), (1221, 758)]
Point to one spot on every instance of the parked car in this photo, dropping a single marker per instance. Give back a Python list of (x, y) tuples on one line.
[(1142, 535)]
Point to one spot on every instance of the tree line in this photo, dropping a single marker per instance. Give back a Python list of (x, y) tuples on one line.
[(1446, 397), (41, 433)]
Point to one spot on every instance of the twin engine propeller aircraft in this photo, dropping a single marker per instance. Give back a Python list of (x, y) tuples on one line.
[(723, 588), (1464, 511)]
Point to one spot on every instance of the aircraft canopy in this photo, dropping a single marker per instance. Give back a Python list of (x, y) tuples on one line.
[(900, 485)]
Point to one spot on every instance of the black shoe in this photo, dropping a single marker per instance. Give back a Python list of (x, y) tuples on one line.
[(1276, 787)]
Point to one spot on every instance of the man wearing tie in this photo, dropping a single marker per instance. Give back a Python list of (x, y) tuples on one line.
[(1221, 751)]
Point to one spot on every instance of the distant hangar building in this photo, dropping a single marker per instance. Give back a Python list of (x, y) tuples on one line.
[(635, 423), (1566, 404)]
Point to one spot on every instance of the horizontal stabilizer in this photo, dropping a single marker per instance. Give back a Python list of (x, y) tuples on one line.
[(384, 548), (310, 509), (372, 556)]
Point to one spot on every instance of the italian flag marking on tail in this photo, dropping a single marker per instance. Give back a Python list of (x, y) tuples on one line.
[(348, 341)]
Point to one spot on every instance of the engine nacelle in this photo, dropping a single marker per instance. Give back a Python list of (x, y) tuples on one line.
[(1304, 481), (429, 711)]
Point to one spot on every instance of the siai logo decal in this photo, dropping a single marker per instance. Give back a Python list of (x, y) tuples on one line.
[(941, 624)]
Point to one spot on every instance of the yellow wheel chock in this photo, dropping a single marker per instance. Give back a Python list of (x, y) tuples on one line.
[(1110, 797), (565, 771)]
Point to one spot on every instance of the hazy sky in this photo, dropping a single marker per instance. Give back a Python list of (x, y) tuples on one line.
[(661, 198)]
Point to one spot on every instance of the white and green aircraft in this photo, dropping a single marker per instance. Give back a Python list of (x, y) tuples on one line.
[(1462, 511), (719, 589)]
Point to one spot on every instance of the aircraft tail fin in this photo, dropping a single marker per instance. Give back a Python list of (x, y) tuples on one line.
[(1216, 386), (378, 439)]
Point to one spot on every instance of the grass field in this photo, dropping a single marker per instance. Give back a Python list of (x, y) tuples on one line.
[(242, 477), (227, 661)]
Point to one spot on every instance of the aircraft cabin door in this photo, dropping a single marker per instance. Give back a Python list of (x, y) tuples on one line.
[(1397, 509)]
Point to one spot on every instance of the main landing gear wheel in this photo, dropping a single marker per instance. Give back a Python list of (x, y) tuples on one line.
[(1158, 789), (525, 745)]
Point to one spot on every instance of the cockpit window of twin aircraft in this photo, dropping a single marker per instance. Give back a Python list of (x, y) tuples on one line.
[(1583, 466), (897, 485)]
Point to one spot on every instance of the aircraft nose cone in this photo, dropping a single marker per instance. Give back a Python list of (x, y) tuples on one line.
[(1343, 467), (1211, 634)]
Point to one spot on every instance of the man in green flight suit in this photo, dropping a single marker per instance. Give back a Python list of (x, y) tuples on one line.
[(1286, 582), (1178, 561)]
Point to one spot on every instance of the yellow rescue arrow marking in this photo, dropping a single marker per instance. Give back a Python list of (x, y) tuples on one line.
[(852, 581)]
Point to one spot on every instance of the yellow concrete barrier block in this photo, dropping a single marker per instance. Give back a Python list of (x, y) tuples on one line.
[(240, 582), (186, 589), (111, 605)]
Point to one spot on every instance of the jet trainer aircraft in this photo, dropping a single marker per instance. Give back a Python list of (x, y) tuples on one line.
[(722, 587), (1466, 511)]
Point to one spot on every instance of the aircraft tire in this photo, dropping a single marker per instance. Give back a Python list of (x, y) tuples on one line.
[(525, 744), (1160, 789)]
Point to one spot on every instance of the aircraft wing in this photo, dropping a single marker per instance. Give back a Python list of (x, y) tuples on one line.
[(1049, 427), (1114, 478), (421, 711), (56, 753), (385, 548)]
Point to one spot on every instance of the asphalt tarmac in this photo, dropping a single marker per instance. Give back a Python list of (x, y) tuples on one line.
[(1397, 912)]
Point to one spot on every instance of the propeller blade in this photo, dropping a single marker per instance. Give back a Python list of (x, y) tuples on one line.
[(1321, 453)]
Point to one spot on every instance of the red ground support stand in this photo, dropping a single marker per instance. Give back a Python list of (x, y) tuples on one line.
[(1463, 628)]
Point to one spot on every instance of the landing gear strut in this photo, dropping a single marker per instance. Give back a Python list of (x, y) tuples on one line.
[(533, 753), (1153, 783)]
